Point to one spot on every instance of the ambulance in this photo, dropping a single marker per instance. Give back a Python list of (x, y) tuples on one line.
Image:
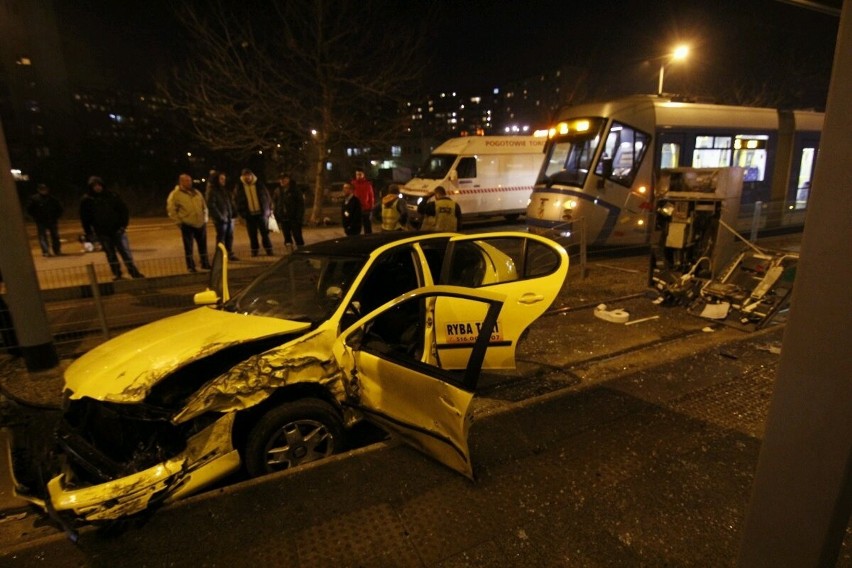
[(486, 175)]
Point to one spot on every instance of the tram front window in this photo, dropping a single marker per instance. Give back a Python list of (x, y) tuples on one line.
[(570, 152)]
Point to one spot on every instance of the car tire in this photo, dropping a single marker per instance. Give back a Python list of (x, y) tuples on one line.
[(293, 434)]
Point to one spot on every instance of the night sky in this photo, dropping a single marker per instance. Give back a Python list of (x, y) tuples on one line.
[(476, 44)]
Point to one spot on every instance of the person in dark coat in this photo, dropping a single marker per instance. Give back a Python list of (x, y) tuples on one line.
[(288, 205), (220, 205), (104, 214), (350, 211), (255, 206), (45, 210)]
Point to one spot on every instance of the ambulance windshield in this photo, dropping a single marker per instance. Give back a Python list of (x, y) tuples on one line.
[(436, 166)]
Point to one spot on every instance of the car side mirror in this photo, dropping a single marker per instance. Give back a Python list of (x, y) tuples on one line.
[(217, 286), (206, 298), (453, 176)]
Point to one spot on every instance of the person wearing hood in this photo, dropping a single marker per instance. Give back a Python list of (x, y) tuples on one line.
[(289, 210), (394, 211), (104, 214), (255, 206), (220, 203), (186, 207), (45, 210)]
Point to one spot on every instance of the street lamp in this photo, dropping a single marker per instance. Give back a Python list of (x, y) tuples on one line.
[(679, 54)]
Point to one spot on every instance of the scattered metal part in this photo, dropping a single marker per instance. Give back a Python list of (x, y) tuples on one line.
[(642, 320)]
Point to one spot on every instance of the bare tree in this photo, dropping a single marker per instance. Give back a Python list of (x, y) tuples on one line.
[(295, 78)]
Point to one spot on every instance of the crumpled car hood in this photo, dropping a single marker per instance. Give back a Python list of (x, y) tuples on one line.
[(125, 368)]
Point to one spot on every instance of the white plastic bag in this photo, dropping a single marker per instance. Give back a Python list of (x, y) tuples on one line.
[(273, 224)]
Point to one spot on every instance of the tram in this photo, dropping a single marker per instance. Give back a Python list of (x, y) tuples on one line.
[(602, 160)]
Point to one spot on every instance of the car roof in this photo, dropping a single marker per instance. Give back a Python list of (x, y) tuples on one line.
[(363, 245)]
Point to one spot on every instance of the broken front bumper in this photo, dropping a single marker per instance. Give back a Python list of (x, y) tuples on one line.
[(209, 456)]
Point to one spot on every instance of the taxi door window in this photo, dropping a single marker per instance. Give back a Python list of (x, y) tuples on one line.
[(434, 250), (391, 275), (398, 333), (499, 260)]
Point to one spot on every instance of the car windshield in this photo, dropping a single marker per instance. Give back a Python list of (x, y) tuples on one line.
[(436, 166), (302, 287), (570, 152)]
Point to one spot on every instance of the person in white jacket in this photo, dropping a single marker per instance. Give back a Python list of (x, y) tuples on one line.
[(186, 207)]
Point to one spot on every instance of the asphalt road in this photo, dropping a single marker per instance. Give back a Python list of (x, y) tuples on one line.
[(583, 457)]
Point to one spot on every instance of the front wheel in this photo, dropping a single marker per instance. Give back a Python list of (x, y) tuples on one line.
[(293, 434)]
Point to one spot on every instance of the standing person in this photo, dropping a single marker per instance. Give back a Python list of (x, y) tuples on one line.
[(186, 207), (289, 209), (255, 206), (440, 213), (364, 192), (351, 211), (45, 210), (394, 211), (220, 205), (104, 214)]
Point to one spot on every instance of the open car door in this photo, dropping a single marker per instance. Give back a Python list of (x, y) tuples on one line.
[(393, 378), (528, 269)]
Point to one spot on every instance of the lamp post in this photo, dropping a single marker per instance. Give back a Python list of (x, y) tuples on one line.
[(679, 54)]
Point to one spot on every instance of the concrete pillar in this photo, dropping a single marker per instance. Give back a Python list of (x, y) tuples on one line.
[(16, 263), (802, 495)]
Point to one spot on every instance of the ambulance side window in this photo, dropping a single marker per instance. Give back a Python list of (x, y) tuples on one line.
[(466, 168)]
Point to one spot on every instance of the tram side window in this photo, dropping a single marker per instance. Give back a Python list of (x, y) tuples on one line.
[(669, 155), (712, 152), (624, 149), (803, 183), (750, 154)]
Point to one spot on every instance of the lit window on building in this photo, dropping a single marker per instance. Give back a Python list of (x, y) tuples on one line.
[(26, 61), (396, 151)]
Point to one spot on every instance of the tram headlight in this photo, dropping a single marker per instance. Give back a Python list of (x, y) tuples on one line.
[(569, 204)]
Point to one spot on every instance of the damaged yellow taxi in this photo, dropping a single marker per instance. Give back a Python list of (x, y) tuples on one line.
[(391, 328)]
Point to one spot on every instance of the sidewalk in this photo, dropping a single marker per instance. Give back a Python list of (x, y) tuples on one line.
[(156, 247)]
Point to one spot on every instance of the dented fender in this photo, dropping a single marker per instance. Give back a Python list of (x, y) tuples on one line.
[(304, 360)]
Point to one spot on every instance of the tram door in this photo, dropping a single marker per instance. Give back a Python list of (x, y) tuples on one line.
[(802, 171)]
